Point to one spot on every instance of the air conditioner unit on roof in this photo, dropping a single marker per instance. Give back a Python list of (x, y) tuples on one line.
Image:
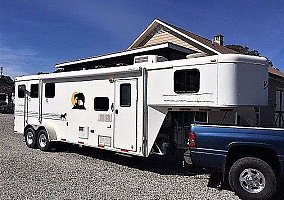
[(149, 59)]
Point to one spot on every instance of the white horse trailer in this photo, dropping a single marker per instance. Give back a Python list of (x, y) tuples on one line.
[(135, 109)]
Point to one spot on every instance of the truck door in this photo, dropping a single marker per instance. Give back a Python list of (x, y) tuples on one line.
[(125, 112)]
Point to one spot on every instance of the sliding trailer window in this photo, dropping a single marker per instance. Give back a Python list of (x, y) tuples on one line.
[(21, 91), (187, 81), (34, 91), (49, 90), (101, 104), (125, 95)]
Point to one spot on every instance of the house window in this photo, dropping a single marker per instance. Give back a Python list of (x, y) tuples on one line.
[(21, 91), (125, 95), (187, 81), (279, 109), (101, 104), (49, 90), (34, 91), (3, 97)]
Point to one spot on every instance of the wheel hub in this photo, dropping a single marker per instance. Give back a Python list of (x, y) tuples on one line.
[(42, 140), (252, 180), (30, 137)]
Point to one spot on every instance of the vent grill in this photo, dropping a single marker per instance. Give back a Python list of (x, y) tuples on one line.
[(149, 59), (141, 59)]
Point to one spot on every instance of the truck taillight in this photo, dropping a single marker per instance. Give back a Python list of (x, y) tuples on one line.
[(192, 140)]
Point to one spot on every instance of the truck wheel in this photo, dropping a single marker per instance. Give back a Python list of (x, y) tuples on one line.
[(252, 178), (30, 137), (42, 140)]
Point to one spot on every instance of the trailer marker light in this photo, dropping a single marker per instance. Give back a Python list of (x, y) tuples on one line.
[(124, 150), (80, 142), (101, 145), (192, 140)]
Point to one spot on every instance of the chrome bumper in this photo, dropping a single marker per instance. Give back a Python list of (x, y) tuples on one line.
[(187, 157)]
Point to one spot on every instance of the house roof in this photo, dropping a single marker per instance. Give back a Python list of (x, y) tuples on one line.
[(275, 72), (201, 41)]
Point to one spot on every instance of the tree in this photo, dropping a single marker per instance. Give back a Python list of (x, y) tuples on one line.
[(243, 50), (246, 51), (6, 80)]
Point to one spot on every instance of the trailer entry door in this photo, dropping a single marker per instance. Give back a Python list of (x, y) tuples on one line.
[(125, 109), (32, 102)]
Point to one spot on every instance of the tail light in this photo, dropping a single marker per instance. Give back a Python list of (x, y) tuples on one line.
[(192, 140)]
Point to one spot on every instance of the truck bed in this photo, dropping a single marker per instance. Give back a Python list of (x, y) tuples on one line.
[(214, 143)]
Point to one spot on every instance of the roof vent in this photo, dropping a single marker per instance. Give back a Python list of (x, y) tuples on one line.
[(149, 59)]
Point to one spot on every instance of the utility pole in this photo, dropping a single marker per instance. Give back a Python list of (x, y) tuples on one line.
[(1, 71)]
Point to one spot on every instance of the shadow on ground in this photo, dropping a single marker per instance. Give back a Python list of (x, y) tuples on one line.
[(157, 164)]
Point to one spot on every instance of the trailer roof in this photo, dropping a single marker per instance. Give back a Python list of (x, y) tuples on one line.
[(126, 57), (134, 68)]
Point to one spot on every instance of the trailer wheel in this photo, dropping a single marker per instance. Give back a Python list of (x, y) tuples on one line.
[(30, 137), (42, 141), (252, 178)]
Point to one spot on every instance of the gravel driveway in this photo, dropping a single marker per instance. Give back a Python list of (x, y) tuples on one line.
[(71, 172)]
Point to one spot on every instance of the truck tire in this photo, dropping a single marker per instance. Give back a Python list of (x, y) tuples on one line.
[(30, 137), (42, 141), (252, 178)]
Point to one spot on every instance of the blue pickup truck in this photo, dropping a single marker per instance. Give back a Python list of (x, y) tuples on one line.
[(251, 159)]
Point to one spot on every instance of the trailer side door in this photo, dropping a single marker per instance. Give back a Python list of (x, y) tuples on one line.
[(32, 102), (125, 109)]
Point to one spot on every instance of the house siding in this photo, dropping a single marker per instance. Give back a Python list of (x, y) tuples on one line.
[(267, 114), (160, 38), (162, 35)]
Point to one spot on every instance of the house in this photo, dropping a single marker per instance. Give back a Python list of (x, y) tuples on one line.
[(6, 94), (164, 39)]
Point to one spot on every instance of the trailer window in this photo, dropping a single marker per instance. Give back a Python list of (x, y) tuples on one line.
[(21, 91), (101, 104), (187, 81), (49, 90), (125, 95), (34, 90)]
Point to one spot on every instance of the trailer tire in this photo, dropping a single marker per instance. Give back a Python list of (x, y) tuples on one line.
[(30, 137), (43, 141), (252, 178)]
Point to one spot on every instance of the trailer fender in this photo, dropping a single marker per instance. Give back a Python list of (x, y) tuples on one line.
[(34, 126), (50, 132)]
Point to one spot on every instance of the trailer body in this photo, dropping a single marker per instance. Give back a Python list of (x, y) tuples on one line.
[(123, 109)]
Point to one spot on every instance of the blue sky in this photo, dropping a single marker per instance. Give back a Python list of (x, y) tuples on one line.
[(37, 34)]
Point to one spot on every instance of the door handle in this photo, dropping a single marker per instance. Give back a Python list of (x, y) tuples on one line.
[(116, 111), (112, 107)]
